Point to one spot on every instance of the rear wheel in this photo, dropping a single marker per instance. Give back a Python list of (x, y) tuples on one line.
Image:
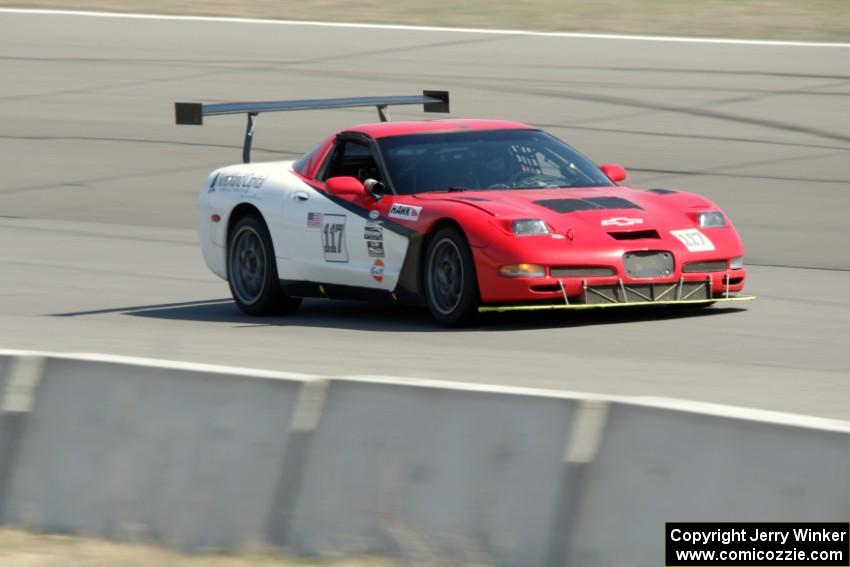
[(451, 287), (252, 270)]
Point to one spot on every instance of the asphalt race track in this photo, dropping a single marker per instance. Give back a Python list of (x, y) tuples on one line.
[(98, 252)]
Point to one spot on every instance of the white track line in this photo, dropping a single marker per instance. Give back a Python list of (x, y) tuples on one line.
[(572, 35)]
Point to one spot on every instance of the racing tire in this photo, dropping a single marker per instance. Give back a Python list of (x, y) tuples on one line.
[(451, 285), (252, 270)]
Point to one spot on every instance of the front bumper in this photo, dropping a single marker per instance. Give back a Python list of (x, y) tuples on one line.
[(570, 271), (632, 295)]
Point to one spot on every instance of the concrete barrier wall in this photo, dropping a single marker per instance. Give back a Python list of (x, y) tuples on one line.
[(188, 459), (6, 361), (206, 457), (8, 426), (656, 465), (430, 473)]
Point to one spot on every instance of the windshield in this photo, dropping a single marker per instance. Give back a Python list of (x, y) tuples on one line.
[(490, 159)]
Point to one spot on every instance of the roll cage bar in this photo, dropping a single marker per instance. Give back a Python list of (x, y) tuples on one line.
[(192, 113)]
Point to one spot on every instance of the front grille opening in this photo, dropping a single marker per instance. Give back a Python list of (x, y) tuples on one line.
[(713, 266), (733, 281), (634, 235), (581, 271)]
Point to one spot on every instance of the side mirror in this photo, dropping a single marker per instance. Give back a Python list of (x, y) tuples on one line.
[(345, 186), (614, 171)]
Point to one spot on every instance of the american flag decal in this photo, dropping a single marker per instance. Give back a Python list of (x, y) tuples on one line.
[(314, 220)]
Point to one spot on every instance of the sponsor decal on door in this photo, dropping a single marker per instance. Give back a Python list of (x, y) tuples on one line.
[(374, 237), (377, 270)]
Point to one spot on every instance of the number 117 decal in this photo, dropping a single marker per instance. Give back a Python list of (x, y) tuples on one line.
[(333, 238), (694, 240)]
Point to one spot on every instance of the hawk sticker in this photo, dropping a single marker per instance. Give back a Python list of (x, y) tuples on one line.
[(405, 212)]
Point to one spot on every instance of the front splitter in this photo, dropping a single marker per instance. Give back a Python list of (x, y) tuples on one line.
[(583, 306)]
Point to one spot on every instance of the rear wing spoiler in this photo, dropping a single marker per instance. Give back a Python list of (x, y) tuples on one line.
[(192, 113)]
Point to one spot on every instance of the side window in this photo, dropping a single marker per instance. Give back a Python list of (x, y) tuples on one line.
[(302, 164), (308, 164), (353, 159)]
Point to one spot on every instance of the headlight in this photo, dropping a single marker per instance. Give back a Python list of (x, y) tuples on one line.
[(712, 219), (736, 263), (529, 227), (523, 271)]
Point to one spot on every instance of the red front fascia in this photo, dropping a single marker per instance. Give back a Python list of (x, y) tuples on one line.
[(548, 251)]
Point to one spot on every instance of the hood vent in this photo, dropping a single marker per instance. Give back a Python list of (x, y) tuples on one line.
[(592, 204), (634, 235)]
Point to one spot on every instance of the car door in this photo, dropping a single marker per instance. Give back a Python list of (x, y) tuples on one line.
[(340, 239)]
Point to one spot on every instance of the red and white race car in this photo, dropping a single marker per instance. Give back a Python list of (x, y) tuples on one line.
[(465, 216)]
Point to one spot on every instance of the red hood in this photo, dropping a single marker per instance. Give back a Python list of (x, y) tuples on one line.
[(608, 209)]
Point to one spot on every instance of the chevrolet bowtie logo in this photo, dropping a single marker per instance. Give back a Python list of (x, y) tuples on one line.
[(621, 221)]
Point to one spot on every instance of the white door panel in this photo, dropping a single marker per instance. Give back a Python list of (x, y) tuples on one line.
[(331, 244)]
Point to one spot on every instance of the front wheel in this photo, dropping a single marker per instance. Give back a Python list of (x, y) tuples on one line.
[(252, 270), (451, 287)]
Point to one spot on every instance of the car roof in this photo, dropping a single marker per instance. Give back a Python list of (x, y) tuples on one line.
[(386, 129)]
